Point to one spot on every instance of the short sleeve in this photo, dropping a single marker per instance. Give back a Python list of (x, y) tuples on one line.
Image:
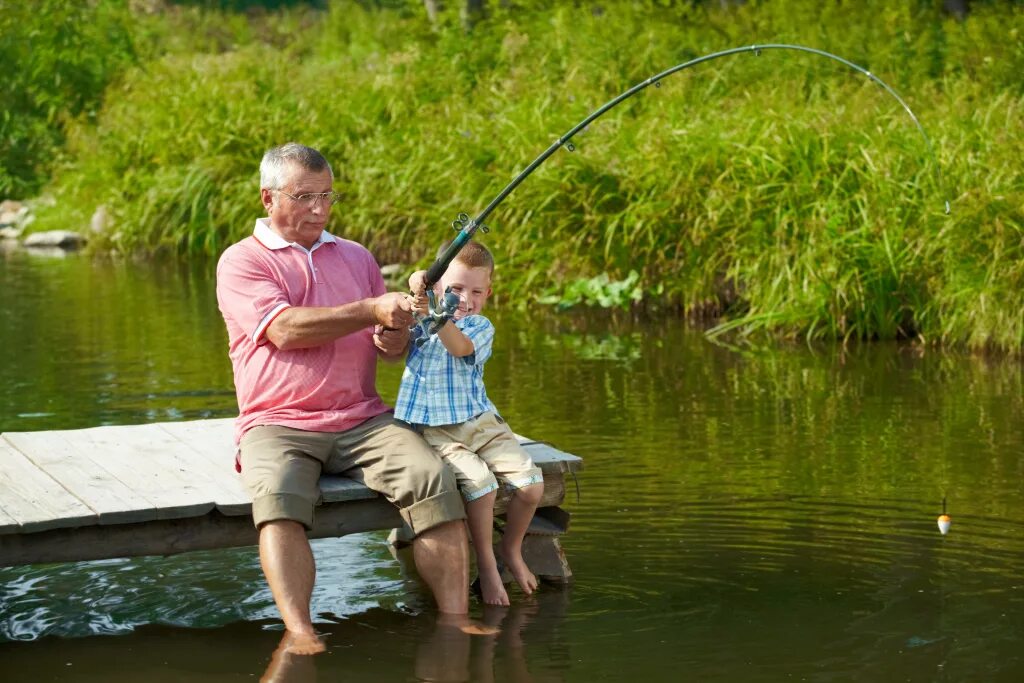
[(248, 295), (480, 331), (376, 279)]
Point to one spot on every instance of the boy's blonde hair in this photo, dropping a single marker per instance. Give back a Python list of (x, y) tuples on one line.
[(473, 255)]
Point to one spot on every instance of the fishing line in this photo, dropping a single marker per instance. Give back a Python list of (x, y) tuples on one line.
[(468, 226)]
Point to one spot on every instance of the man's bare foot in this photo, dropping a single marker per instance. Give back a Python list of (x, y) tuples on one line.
[(492, 589), (303, 643), (520, 572), (465, 624)]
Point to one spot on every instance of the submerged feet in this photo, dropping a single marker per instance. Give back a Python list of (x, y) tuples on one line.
[(463, 623), (303, 643)]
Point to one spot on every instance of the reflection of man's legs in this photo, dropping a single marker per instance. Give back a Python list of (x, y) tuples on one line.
[(281, 468), (398, 463), (286, 667)]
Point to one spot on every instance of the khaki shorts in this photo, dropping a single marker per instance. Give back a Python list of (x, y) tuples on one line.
[(281, 467), (480, 452)]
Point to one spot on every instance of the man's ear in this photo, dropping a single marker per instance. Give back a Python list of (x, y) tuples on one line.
[(267, 197)]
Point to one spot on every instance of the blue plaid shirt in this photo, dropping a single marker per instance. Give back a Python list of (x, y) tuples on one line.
[(440, 389)]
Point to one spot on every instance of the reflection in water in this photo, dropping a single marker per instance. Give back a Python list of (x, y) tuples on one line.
[(756, 516), (440, 652), (287, 667)]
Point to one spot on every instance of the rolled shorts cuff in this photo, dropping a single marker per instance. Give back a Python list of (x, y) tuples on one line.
[(469, 495), (277, 506), (430, 512), (524, 479)]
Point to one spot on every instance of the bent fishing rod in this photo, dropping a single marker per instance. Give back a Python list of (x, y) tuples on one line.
[(467, 227)]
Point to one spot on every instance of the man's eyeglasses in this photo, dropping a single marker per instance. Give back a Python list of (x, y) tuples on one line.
[(311, 199)]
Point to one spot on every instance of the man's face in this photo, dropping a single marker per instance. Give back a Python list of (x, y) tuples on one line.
[(473, 285), (295, 220)]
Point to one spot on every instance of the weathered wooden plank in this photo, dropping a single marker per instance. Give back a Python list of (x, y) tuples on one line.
[(8, 524), (208, 447), (172, 536), (79, 466), (138, 473), (33, 499), (548, 458), (154, 463)]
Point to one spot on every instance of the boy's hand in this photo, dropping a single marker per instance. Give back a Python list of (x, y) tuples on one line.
[(418, 283)]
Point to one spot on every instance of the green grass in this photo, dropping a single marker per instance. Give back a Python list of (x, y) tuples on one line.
[(782, 194)]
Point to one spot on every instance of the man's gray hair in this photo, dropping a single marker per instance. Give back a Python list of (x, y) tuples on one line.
[(276, 165)]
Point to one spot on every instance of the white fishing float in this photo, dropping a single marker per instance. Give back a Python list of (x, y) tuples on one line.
[(944, 520)]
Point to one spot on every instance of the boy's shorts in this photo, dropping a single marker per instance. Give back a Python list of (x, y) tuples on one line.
[(281, 467), (480, 451)]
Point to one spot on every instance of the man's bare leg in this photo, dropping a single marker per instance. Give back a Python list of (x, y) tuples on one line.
[(287, 562), (480, 519), (517, 518), (442, 560)]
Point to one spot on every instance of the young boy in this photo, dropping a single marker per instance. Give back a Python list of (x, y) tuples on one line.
[(443, 393)]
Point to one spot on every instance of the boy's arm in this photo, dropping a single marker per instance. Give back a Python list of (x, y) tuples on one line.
[(455, 341)]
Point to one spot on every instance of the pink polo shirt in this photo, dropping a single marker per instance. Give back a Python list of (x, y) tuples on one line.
[(331, 387)]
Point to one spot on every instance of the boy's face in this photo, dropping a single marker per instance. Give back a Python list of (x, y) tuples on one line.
[(473, 285)]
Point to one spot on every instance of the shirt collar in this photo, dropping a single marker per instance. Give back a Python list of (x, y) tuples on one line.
[(271, 240)]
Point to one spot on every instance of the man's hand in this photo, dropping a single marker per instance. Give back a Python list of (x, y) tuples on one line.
[(420, 304), (391, 343), (393, 310)]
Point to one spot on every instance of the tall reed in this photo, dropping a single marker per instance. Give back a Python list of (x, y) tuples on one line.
[(784, 192)]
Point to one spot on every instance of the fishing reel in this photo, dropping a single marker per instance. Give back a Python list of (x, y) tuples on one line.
[(438, 314)]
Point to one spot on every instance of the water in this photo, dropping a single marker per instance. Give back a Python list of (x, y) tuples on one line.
[(760, 516)]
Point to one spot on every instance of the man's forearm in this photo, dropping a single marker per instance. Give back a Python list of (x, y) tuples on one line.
[(304, 327)]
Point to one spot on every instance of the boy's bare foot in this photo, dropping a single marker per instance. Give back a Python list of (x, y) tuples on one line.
[(465, 624), (303, 643), (521, 573), (492, 589)]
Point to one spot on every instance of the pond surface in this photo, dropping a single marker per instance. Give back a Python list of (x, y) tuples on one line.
[(743, 515)]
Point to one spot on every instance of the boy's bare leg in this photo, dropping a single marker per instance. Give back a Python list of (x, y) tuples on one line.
[(480, 518), (287, 562), (517, 519)]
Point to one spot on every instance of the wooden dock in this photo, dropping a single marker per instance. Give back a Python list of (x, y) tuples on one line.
[(171, 487)]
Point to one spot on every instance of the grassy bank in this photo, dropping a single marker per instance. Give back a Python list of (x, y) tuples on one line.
[(782, 193)]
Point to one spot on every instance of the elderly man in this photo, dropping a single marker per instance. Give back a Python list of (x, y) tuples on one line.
[(308, 316)]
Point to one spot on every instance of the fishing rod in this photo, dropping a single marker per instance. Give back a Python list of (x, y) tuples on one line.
[(467, 226)]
